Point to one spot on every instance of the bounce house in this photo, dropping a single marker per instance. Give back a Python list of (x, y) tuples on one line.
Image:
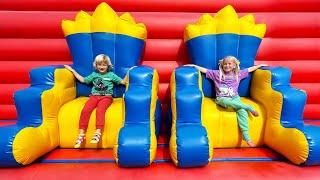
[(166, 113)]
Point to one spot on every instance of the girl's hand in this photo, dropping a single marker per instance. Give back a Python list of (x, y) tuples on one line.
[(190, 65), (263, 65)]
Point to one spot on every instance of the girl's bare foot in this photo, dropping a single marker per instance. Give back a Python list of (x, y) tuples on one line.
[(250, 143), (255, 113)]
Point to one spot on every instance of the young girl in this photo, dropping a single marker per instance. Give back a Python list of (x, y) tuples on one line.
[(226, 81), (103, 81)]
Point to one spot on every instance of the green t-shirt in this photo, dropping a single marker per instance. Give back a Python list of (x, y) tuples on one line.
[(102, 83)]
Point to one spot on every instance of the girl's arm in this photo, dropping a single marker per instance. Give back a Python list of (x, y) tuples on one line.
[(201, 69), (253, 68), (74, 72)]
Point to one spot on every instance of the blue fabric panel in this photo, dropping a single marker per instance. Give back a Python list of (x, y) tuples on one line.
[(202, 51), (188, 95), (227, 45), (80, 46), (280, 75), (248, 47), (8, 134), (293, 100), (312, 135), (192, 145), (293, 106), (158, 118), (28, 101), (128, 53), (43, 75), (138, 96), (134, 145), (137, 103)]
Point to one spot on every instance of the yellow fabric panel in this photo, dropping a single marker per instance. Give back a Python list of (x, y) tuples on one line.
[(104, 19), (81, 24), (173, 138), (126, 22), (69, 117), (290, 142), (224, 21), (31, 143), (154, 98), (222, 125)]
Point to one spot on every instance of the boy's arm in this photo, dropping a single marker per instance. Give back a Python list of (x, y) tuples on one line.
[(253, 68), (74, 72), (201, 69)]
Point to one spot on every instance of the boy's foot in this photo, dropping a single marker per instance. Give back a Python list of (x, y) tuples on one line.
[(95, 138), (79, 141), (255, 113), (250, 143)]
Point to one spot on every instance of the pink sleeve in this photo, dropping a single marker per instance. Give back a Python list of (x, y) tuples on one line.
[(211, 74), (243, 73)]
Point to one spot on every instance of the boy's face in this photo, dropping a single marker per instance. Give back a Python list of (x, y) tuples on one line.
[(228, 65), (102, 67)]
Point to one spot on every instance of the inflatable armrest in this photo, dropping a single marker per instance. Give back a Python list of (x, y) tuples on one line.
[(285, 131), (189, 142), (142, 108), (36, 132)]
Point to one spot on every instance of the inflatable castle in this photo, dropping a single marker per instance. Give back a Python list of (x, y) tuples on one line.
[(162, 96)]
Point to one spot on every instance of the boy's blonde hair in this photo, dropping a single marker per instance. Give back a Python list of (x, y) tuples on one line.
[(236, 70), (102, 58)]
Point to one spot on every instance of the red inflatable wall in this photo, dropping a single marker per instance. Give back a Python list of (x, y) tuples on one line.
[(31, 36)]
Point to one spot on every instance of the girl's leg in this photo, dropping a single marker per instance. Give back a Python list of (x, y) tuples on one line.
[(103, 104), (236, 104), (242, 115)]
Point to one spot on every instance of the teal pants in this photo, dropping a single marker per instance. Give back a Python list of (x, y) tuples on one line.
[(241, 109)]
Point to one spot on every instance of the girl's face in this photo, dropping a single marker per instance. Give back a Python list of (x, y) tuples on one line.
[(228, 65), (102, 67)]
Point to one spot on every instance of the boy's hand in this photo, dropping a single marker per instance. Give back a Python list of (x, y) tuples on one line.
[(69, 68)]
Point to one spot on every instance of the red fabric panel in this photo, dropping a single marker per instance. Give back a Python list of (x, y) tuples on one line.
[(24, 24), (164, 68), (312, 90), (165, 5), (271, 49), (7, 90), (17, 72), (44, 50), (312, 111), (8, 112), (302, 71)]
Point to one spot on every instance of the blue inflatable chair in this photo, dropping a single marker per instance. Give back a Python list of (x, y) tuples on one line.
[(49, 110), (199, 125)]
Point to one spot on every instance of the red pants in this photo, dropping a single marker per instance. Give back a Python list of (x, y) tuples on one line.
[(101, 103)]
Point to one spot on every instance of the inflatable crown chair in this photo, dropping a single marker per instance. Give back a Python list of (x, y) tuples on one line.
[(49, 110), (199, 124)]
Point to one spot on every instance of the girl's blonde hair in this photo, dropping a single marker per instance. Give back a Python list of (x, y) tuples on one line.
[(236, 70), (102, 58)]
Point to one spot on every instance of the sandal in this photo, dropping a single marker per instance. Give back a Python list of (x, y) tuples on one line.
[(95, 138), (79, 141)]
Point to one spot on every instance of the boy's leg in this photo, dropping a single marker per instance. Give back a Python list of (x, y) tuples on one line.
[(86, 112), (103, 105)]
